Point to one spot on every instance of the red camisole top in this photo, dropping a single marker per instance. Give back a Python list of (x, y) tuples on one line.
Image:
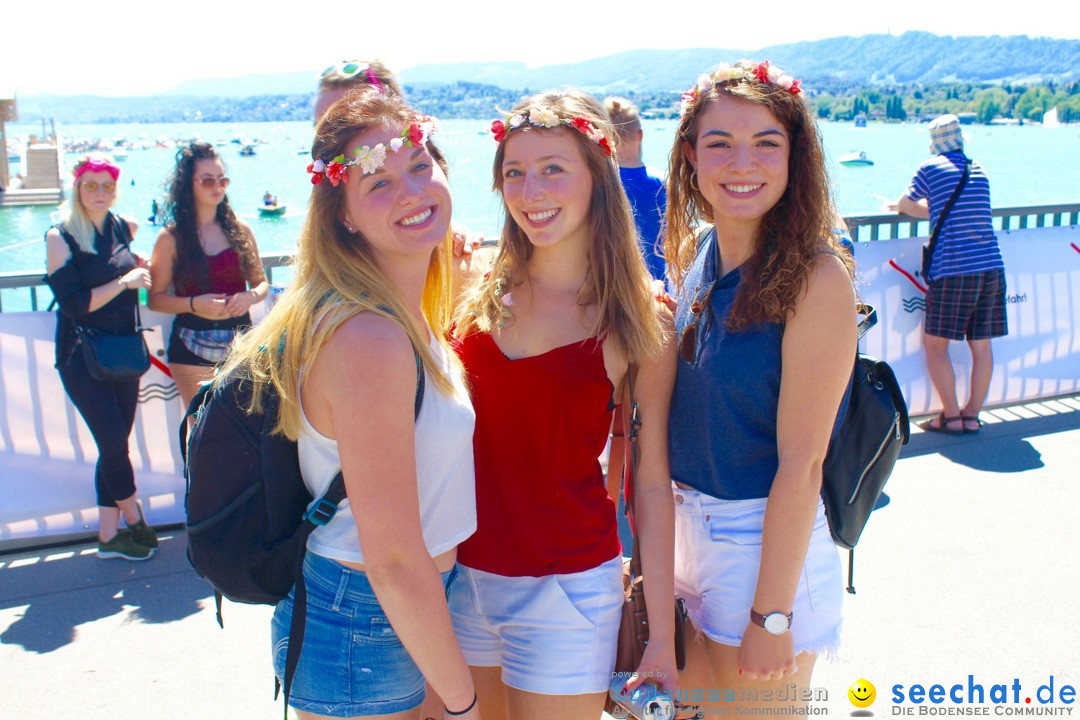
[(224, 275), (541, 424)]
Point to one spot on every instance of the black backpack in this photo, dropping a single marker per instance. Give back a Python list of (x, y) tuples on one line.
[(862, 455), (247, 506)]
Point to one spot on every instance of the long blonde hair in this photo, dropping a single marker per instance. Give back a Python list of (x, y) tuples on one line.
[(337, 274), (616, 280)]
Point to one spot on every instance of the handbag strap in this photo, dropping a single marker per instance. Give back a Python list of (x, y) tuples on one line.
[(123, 233), (949, 206), (630, 461)]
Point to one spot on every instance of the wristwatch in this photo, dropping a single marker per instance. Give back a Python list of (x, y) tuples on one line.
[(775, 623)]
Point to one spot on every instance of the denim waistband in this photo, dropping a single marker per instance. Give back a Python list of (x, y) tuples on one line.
[(346, 582)]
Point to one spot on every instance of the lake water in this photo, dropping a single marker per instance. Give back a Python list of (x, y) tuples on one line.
[(1030, 165)]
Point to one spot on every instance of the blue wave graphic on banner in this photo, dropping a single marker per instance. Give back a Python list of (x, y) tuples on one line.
[(157, 391), (913, 304)]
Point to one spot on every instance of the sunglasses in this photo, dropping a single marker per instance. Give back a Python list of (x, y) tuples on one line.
[(689, 347), (92, 187), (210, 183), (344, 70)]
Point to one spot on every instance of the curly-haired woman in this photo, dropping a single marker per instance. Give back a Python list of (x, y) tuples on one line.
[(766, 324), (205, 268)]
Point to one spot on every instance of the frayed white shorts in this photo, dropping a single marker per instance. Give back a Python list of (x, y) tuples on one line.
[(717, 555), (553, 635)]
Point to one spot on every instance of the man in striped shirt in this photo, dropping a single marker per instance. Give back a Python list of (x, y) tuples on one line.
[(966, 295)]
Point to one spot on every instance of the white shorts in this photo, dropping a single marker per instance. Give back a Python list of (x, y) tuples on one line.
[(717, 556), (553, 635)]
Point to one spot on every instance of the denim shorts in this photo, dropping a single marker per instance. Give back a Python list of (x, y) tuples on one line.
[(717, 555), (352, 662), (553, 635)]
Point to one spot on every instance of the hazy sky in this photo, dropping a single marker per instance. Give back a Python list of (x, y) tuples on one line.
[(125, 47)]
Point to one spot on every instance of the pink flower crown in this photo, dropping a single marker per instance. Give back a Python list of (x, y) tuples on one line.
[(371, 159), (742, 71), (548, 119)]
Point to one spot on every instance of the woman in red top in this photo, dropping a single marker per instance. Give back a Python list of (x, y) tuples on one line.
[(546, 337), (205, 268)]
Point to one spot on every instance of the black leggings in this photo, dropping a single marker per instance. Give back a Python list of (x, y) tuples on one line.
[(109, 412)]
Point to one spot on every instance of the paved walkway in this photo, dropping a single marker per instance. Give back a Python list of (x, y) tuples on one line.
[(972, 569)]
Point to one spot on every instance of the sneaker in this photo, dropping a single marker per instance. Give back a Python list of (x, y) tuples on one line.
[(123, 546), (143, 534)]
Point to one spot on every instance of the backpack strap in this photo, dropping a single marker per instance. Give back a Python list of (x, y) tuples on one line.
[(321, 513)]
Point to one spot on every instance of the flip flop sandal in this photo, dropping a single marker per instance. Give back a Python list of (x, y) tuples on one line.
[(943, 425), (974, 419)]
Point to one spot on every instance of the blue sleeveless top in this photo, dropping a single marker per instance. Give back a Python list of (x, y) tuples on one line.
[(722, 427)]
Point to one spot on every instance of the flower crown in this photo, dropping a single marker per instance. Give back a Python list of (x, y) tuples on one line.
[(762, 72), (548, 119), (371, 159)]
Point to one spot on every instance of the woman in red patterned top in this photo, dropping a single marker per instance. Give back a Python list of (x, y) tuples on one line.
[(546, 338), (205, 268)]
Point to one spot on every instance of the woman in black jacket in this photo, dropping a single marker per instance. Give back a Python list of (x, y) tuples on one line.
[(96, 277)]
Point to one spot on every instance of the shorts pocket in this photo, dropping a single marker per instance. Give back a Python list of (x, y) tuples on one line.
[(742, 531), (371, 627)]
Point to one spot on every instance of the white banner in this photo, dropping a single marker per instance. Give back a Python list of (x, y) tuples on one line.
[(47, 455), (1039, 358)]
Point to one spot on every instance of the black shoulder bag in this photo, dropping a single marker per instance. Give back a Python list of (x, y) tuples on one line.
[(115, 358), (862, 455), (928, 248)]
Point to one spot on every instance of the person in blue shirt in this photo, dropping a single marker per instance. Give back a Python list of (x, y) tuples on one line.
[(648, 198), (965, 297)]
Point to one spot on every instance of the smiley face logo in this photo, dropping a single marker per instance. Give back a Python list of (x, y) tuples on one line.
[(862, 693)]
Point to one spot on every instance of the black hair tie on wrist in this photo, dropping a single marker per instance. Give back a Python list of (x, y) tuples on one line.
[(191, 302), (462, 712)]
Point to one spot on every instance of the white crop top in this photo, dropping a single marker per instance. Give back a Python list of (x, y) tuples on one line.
[(444, 472)]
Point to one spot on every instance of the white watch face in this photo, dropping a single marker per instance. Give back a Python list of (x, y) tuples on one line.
[(776, 623)]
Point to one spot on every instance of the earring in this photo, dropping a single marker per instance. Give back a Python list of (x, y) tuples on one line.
[(351, 230), (693, 183)]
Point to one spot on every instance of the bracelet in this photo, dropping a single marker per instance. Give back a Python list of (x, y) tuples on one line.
[(462, 712), (191, 302), (122, 284)]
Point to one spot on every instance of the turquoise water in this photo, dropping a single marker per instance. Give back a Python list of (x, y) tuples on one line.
[(1029, 165)]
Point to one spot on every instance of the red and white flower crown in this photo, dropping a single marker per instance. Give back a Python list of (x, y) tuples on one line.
[(371, 159), (549, 119), (742, 71)]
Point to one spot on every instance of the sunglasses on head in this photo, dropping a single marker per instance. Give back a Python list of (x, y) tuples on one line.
[(92, 187), (210, 183), (689, 345), (345, 70)]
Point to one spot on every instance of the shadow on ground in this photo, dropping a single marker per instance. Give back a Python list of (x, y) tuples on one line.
[(62, 594), (1000, 447)]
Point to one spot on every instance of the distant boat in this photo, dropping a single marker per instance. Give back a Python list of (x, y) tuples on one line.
[(271, 210), (1050, 118), (855, 159), (860, 120), (247, 151)]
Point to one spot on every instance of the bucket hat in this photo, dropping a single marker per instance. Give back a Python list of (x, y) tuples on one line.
[(945, 135)]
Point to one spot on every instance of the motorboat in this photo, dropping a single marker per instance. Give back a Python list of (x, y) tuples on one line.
[(271, 210), (855, 159)]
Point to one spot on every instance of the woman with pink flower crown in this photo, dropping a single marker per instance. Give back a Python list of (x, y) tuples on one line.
[(546, 337), (766, 335), (369, 386)]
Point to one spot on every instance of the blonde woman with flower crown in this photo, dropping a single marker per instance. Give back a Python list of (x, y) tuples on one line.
[(766, 327), (345, 348), (546, 338)]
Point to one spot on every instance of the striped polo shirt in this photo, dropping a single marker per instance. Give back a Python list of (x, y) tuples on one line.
[(967, 243)]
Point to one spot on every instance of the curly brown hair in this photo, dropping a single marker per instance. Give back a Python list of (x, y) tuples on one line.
[(791, 234), (191, 264)]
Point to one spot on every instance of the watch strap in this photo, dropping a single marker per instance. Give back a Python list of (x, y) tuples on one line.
[(759, 619)]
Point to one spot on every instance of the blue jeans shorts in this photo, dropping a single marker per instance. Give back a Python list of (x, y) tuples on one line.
[(553, 635), (352, 662), (717, 554)]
